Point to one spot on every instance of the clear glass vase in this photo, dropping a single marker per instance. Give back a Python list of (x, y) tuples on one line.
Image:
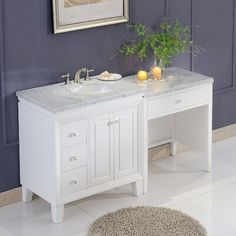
[(157, 69), (161, 64)]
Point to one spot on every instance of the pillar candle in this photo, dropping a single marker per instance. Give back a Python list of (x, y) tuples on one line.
[(156, 72), (142, 75)]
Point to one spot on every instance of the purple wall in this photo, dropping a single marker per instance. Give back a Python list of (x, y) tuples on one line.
[(30, 55)]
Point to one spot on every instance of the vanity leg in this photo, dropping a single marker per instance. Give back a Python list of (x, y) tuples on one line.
[(209, 138), (209, 159), (138, 188), (145, 185), (173, 148), (209, 148), (57, 213), (27, 195)]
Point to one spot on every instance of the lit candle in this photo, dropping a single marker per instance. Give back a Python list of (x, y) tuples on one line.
[(142, 75), (156, 72)]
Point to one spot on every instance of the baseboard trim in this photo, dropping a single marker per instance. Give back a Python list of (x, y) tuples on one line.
[(14, 195), (10, 197), (224, 133)]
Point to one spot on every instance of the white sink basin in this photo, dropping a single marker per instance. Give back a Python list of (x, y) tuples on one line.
[(86, 89), (90, 89)]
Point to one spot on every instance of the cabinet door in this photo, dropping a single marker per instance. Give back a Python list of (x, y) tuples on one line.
[(125, 143), (101, 149)]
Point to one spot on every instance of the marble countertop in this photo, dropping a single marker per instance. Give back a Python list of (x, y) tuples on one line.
[(58, 98), (173, 80)]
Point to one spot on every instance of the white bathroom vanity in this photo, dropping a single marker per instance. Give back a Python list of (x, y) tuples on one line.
[(77, 141)]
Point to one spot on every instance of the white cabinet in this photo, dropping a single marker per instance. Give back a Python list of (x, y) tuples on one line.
[(83, 151), (113, 145), (69, 154)]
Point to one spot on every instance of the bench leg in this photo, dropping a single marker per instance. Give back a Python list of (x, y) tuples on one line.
[(173, 148)]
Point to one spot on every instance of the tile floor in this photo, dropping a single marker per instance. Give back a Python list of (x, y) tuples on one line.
[(177, 183)]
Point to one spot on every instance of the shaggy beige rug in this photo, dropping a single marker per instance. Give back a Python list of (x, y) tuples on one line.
[(146, 221)]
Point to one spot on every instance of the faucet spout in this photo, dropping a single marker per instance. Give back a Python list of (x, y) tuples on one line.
[(77, 75)]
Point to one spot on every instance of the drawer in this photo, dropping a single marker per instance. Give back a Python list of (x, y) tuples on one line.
[(159, 106), (74, 180), (73, 157), (179, 101), (73, 134)]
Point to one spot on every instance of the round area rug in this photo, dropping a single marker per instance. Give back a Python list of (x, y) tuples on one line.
[(146, 221)]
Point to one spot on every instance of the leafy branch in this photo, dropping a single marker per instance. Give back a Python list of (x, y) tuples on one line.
[(172, 39)]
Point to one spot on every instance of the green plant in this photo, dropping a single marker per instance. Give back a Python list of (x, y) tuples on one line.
[(139, 46), (172, 39)]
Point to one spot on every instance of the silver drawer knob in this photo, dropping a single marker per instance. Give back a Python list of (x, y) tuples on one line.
[(72, 135), (73, 182), (74, 158)]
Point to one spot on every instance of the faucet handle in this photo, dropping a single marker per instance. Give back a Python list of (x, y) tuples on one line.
[(66, 78), (87, 74)]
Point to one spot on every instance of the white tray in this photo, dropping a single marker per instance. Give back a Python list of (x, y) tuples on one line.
[(114, 77)]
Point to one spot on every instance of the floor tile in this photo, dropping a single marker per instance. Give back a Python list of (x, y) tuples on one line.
[(35, 219), (220, 201), (184, 173), (101, 204), (214, 224), (225, 152)]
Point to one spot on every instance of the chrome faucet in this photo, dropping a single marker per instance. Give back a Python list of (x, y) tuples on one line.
[(87, 74), (77, 75), (66, 78)]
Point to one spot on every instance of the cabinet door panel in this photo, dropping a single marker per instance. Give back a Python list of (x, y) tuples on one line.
[(125, 142), (101, 146)]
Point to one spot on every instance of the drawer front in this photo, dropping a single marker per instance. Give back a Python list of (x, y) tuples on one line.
[(159, 106), (73, 134), (191, 98), (73, 157), (74, 180), (178, 101)]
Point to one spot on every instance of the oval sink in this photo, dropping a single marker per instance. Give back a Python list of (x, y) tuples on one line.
[(90, 89), (86, 89)]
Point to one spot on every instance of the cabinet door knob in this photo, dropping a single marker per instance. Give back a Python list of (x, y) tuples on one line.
[(72, 135), (73, 182), (116, 121), (110, 123), (74, 158)]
